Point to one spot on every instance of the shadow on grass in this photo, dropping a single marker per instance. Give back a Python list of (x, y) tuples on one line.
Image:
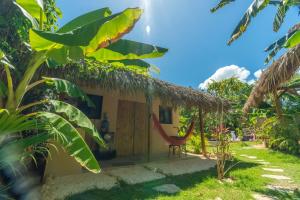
[(145, 190)]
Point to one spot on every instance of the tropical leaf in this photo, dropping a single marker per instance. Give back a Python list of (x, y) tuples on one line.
[(282, 9), (33, 21), (133, 64), (72, 140), (64, 86), (85, 19), (293, 40), (94, 35), (78, 118), (14, 123), (11, 152), (275, 47), (255, 7), (32, 10), (33, 7), (128, 50), (4, 60), (221, 4)]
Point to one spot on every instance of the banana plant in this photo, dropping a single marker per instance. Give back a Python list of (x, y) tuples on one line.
[(96, 36), (256, 7)]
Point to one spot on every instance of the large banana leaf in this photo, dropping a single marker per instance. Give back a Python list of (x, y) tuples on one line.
[(78, 118), (293, 40), (72, 140), (32, 8), (94, 35), (275, 47), (85, 19), (133, 64), (128, 50), (282, 9), (255, 7), (64, 86), (14, 123)]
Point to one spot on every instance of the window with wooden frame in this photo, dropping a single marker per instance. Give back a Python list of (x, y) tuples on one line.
[(90, 112), (165, 115)]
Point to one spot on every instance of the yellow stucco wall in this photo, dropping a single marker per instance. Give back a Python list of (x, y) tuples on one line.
[(62, 164)]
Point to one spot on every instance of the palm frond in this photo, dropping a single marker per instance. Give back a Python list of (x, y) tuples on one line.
[(221, 4), (282, 9), (255, 7)]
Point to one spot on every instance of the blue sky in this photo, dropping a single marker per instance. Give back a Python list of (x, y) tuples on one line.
[(195, 37)]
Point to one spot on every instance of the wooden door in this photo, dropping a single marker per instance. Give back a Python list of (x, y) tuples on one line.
[(140, 136), (131, 133), (125, 127)]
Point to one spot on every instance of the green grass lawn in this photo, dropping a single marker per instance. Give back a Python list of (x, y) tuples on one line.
[(204, 185)]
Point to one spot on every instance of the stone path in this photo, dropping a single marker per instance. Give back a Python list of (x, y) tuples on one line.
[(257, 196), (179, 167), (280, 178), (276, 177), (60, 187), (167, 188), (134, 174), (273, 169)]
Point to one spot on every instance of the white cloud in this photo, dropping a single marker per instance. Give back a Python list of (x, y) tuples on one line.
[(227, 72), (257, 74), (252, 81)]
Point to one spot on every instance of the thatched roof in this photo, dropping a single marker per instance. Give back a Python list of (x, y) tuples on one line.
[(130, 83), (278, 73)]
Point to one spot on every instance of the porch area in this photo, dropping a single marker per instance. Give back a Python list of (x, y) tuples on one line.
[(137, 171)]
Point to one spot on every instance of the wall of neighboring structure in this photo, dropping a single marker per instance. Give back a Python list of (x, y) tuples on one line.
[(62, 164)]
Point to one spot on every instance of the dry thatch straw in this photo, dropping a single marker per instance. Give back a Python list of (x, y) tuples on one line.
[(278, 73), (131, 83)]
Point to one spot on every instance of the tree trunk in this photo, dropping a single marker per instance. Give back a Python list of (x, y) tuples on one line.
[(201, 125), (277, 103)]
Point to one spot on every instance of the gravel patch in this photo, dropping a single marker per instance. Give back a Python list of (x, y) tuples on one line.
[(179, 167), (273, 169), (277, 177), (61, 187), (134, 174), (167, 188)]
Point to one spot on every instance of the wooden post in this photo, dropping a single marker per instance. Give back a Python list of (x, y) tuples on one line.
[(149, 117), (201, 125)]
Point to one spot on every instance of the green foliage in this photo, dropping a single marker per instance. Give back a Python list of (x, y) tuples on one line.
[(66, 87), (237, 93), (15, 151), (13, 123), (69, 137), (275, 47), (78, 118), (293, 40), (221, 4)]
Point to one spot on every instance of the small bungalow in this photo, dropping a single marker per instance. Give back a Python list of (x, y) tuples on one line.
[(125, 103)]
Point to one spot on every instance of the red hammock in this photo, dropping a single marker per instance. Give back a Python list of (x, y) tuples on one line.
[(172, 140)]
